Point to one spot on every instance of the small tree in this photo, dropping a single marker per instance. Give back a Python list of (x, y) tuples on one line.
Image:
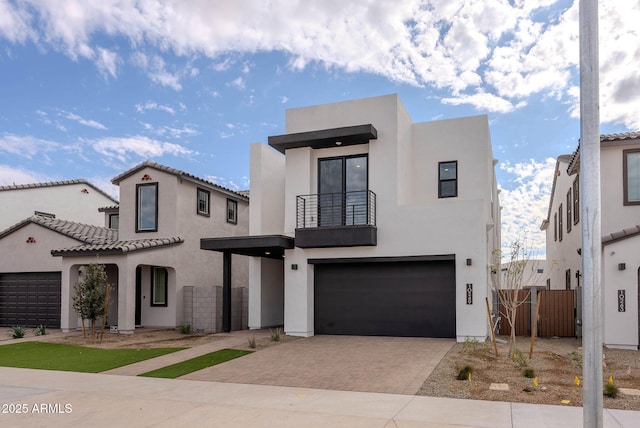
[(90, 300), (518, 273)]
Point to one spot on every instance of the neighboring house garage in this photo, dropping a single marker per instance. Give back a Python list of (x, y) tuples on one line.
[(411, 298), (30, 299)]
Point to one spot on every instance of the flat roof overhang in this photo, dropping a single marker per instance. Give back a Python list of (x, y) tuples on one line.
[(269, 246), (325, 138)]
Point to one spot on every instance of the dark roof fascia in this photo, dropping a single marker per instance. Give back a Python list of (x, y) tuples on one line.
[(325, 138), (270, 246), (425, 258), (180, 174)]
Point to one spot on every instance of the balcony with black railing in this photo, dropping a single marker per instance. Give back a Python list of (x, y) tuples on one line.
[(344, 219)]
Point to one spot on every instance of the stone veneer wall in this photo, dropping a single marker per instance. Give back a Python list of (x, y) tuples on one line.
[(203, 308)]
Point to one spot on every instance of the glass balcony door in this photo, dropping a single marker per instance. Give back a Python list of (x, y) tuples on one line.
[(342, 191)]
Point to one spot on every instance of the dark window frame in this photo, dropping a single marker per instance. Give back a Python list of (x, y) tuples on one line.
[(441, 180), (560, 223), (576, 200), (233, 219), (207, 211), (138, 211), (343, 203), (163, 303), (111, 218), (567, 279), (555, 226), (569, 213), (625, 176)]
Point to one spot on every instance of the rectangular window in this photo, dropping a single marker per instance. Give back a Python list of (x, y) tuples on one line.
[(567, 279), (569, 205), (159, 280), (576, 200), (555, 227), (203, 202), (560, 222), (342, 190), (631, 176), (147, 207), (232, 211), (114, 221), (448, 179)]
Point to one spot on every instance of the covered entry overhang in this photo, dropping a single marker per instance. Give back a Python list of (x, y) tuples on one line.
[(266, 246)]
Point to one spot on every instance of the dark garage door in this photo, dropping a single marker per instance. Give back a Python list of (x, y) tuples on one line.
[(30, 299), (411, 299)]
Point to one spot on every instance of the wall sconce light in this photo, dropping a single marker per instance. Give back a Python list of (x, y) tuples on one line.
[(622, 266), (469, 262), (294, 266)]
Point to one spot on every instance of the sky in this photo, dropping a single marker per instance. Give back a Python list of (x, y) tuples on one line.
[(89, 89)]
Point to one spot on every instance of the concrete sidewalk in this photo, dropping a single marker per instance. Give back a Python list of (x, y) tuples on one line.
[(62, 399)]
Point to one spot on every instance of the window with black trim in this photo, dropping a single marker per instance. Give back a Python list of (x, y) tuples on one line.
[(232, 211), (576, 200), (569, 206), (555, 226), (567, 279), (448, 179), (147, 207), (159, 286), (560, 222), (114, 221), (631, 176), (204, 198)]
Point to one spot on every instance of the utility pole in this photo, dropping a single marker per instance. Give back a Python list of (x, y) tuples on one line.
[(591, 234)]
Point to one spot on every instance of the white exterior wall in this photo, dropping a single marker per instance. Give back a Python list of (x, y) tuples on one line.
[(411, 219), (67, 202)]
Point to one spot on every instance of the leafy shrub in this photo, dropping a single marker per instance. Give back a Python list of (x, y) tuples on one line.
[(611, 390), (41, 330), (529, 373), (17, 332), (275, 336), (465, 373), (518, 357), (470, 345), (252, 342), (185, 328)]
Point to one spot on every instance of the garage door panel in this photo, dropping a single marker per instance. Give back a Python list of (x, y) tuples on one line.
[(30, 299), (386, 299)]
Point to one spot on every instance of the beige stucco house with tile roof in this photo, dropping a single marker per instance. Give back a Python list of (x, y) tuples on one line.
[(620, 218)]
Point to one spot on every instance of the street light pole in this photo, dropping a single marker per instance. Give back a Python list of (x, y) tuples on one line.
[(591, 215)]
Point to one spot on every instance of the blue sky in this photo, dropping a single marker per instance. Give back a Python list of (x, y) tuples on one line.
[(89, 89)]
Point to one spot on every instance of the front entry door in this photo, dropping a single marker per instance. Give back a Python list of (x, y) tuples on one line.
[(138, 296)]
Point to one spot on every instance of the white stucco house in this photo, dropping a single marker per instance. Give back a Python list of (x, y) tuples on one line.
[(363, 222), (620, 219), (74, 200), (160, 277)]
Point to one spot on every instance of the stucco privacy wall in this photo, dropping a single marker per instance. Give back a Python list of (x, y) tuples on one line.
[(411, 219), (75, 200)]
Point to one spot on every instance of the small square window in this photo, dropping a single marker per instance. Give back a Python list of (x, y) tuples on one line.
[(114, 221), (204, 197), (159, 281), (232, 211), (448, 179)]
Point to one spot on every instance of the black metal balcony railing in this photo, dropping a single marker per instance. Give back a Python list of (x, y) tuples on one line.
[(336, 209)]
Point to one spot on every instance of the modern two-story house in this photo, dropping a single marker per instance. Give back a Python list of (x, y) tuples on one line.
[(363, 222), (620, 214)]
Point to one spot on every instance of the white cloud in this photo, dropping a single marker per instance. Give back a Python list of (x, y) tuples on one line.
[(10, 175), (500, 48), (526, 206), (26, 145), (122, 148), (86, 122), (237, 83), (233, 183), (151, 105)]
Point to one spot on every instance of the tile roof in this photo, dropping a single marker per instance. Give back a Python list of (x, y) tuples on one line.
[(620, 235), (85, 233), (605, 140), (178, 173), (118, 247), (110, 208), (54, 184)]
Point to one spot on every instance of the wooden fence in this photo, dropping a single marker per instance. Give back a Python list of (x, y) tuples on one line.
[(556, 317)]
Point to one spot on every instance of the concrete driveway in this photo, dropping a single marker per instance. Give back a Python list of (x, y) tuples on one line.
[(396, 365)]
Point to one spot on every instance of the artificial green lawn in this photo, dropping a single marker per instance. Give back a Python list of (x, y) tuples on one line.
[(202, 362), (56, 356)]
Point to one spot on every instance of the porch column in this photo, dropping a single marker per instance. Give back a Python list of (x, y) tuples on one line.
[(226, 292), (126, 299)]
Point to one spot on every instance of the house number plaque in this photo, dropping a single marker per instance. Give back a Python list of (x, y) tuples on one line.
[(621, 301), (469, 294)]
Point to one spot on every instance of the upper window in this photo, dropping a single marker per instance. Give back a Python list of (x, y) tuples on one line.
[(147, 207), (576, 200), (204, 196), (114, 221), (232, 211), (560, 222), (569, 206), (159, 281), (631, 176), (555, 226), (342, 187), (448, 179)]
